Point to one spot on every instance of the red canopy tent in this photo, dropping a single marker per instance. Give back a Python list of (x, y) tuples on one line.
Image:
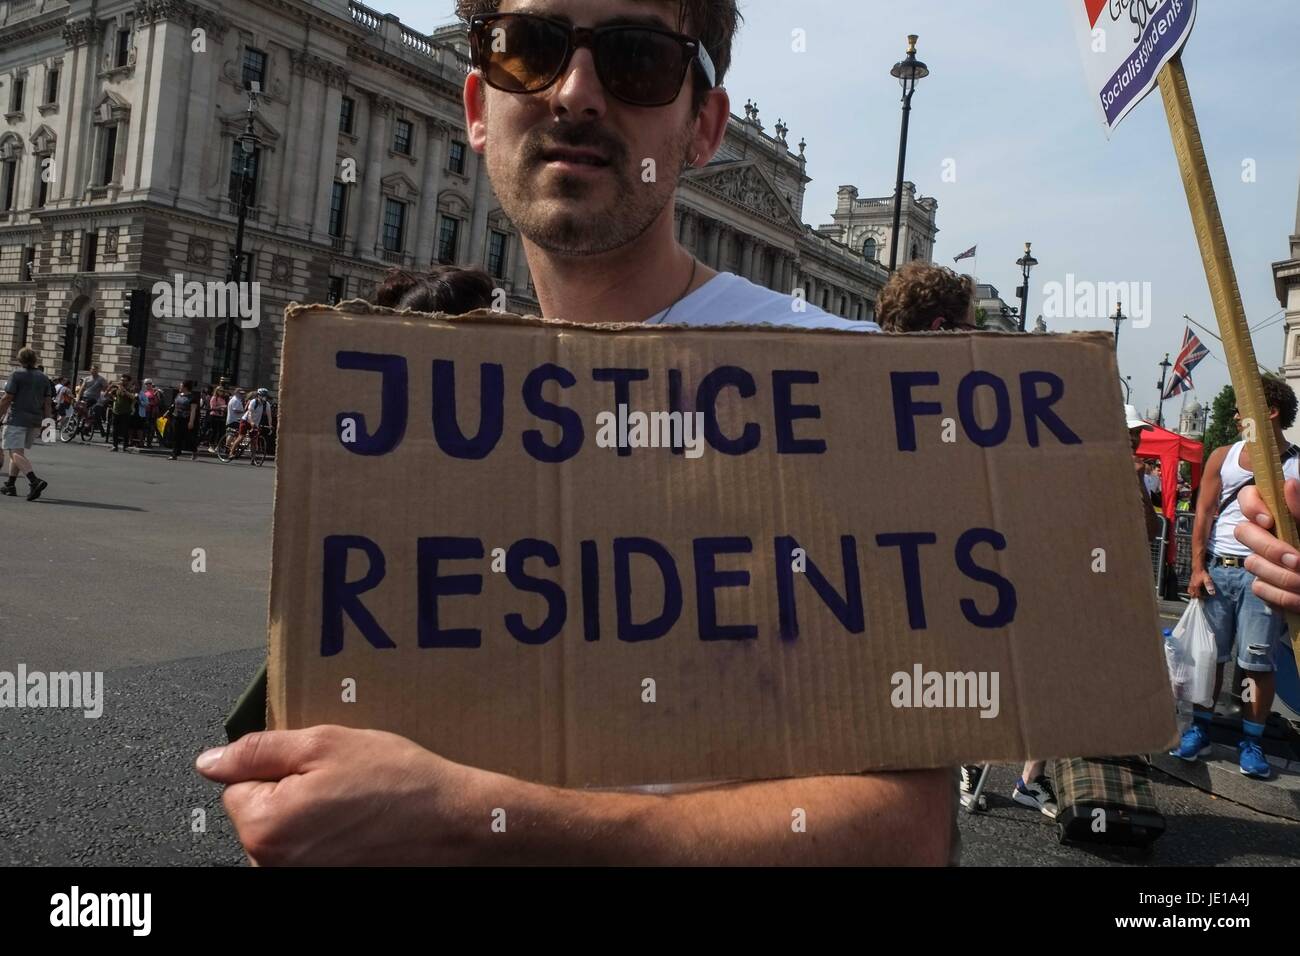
[(1171, 448)]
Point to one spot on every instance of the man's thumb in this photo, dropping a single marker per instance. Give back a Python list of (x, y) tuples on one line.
[(265, 755)]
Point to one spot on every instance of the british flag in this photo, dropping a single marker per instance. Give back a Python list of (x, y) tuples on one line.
[(1191, 355)]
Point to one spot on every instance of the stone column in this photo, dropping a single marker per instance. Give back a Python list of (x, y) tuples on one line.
[(201, 131), (306, 154), (299, 116), (747, 245), (715, 246), (368, 229), (436, 132), (787, 275), (476, 254), (520, 269), (327, 158)]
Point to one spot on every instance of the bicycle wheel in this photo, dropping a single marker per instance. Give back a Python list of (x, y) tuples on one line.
[(69, 429), (225, 447), (87, 431), (257, 450)]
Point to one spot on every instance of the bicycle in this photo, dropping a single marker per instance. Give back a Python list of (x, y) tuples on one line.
[(235, 444), (78, 422)]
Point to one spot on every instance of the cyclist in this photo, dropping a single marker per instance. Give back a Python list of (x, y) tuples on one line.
[(254, 413)]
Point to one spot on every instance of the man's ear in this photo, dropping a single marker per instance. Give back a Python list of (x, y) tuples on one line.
[(473, 97), (711, 125)]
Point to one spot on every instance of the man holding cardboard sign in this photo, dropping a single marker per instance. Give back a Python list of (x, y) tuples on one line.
[(745, 615)]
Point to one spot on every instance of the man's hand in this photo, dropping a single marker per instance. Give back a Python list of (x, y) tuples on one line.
[(1201, 584), (336, 796), (1274, 562)]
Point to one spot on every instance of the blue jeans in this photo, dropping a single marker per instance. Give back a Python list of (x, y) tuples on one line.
[(1237, 616)]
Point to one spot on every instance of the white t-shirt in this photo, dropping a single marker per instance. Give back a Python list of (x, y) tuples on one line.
[(731, 299), (728, 299), (234, 409), (256, 409)]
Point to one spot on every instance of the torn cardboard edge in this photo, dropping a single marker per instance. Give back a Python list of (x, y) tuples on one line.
[(493, 317)]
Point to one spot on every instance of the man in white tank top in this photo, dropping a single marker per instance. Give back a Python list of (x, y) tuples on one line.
[(565, 154), (1219, 577)]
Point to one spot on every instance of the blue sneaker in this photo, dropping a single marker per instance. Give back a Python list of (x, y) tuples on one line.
[(1195, 743), (1251, 759)]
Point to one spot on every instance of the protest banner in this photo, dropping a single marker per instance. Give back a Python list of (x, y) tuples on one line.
[(1120, 74), (864, 552)]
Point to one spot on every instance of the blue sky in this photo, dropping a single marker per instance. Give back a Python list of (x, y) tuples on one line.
[(1006, 101)]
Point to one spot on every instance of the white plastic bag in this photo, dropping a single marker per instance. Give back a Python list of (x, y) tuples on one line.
[(1190, 653)]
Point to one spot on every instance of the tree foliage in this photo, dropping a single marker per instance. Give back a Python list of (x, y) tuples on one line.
[(1222, 430)]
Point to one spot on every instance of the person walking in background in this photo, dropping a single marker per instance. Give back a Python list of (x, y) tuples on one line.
[(184, 420), (216, 424), (26, 401), (149, 404), (123, 400)]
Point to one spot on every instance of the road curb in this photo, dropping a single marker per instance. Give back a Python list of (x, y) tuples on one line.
[(1220, 776)]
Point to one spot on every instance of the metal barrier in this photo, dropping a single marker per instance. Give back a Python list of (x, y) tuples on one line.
[(1158, 551), (1183, 521), (1181, 542)]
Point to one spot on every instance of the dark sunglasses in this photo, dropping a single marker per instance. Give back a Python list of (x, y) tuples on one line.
[(642, 66)]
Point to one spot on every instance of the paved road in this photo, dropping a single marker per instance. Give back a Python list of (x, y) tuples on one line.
[(97, 576)]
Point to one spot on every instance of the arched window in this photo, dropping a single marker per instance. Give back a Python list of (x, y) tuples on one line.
[(869, 250), (916, 252)]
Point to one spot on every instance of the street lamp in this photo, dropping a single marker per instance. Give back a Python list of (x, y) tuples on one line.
[(1026, 262), (248, 143), (1160, 412), (1117, 318), (908, 72)]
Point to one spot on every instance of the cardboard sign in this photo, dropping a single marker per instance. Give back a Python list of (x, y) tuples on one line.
[(864, 552), (1124, 44)]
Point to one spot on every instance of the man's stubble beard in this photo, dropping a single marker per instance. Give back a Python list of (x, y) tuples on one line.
[(552, 222)]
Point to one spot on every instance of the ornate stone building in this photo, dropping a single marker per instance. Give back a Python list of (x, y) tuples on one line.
[(866, 225), (120, 160), (1286, 282)]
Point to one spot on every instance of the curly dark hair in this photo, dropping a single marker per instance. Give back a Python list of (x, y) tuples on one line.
[(447, 289), (1278, 394), (713, 22), (920, 294)]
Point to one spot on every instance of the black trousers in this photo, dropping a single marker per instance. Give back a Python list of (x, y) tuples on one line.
[(122, 428), (181, 436)]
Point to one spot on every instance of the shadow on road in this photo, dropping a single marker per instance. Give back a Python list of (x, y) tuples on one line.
[(89, 504)]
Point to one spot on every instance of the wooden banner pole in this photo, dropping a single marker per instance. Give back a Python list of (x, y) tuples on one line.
[(1265, 458)]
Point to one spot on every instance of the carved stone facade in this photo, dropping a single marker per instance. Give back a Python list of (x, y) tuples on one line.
[(867, 225), (120, 153)]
